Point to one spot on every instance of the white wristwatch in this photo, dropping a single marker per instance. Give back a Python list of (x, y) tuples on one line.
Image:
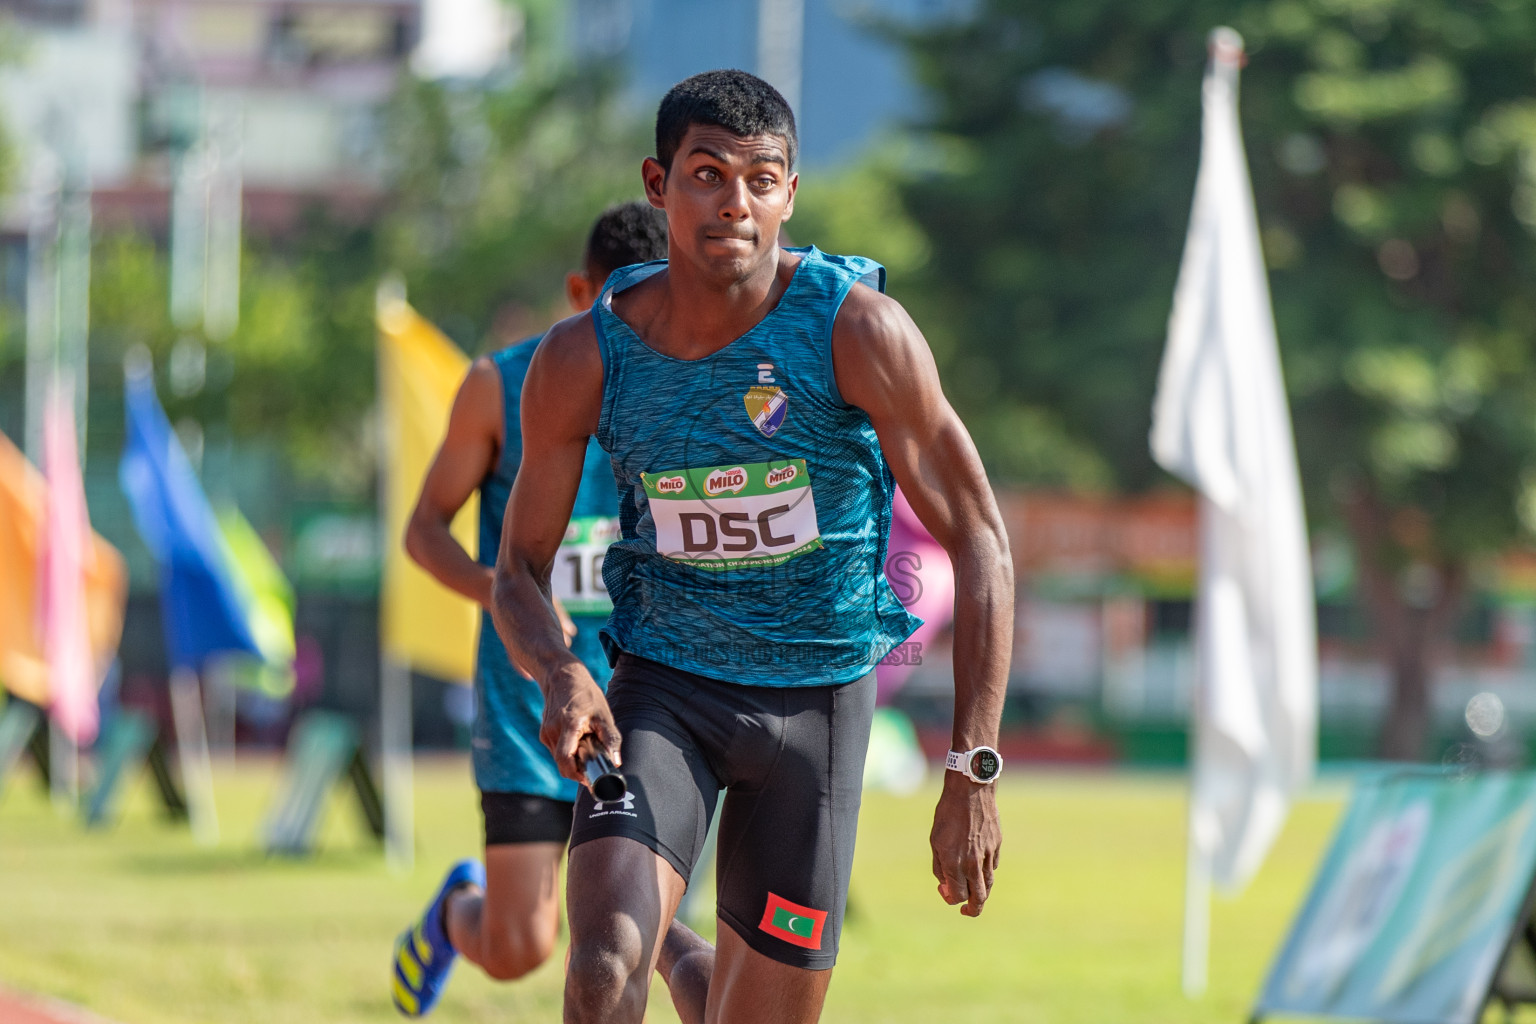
[(980, 764)]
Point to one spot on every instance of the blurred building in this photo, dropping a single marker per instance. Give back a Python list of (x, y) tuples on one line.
[(118, 90), (835, 60)]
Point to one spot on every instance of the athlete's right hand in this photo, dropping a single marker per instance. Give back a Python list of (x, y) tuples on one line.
[(574, 709)]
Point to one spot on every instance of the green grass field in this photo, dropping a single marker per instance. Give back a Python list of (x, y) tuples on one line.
[(141, 925)]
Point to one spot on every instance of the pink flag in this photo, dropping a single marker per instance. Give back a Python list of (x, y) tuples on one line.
[(66, 543), (924, 580)]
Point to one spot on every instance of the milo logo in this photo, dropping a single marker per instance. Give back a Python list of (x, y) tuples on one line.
[(723, 480), (723, 518)]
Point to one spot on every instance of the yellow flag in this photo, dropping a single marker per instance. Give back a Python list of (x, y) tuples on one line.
[(421, 623), (22, 668)]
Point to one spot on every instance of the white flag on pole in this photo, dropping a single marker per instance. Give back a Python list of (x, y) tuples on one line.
[(1220, 422)]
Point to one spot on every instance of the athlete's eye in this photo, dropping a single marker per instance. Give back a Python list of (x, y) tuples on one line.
[(709, 174)]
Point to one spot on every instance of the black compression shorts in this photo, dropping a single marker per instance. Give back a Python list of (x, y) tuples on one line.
[(524, 818), (791, 759)]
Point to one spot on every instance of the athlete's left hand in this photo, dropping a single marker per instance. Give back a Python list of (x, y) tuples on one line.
[(966, 841)]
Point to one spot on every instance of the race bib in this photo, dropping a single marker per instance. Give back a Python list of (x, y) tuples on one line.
[(576, 578), (732, 517)]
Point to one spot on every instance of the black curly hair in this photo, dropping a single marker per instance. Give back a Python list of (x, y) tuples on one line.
[(631, 232), (734, 100)]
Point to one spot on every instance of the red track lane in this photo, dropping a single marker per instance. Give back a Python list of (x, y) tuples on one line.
[(17, 1009)]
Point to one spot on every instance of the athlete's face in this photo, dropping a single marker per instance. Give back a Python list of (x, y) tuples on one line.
[(726, 196)]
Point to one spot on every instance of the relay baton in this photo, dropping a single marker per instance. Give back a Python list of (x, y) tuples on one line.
[(606, 781)]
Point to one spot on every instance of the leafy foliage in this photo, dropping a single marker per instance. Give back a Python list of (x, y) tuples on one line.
[(860, 210), (298, 370), (493, 187), (497, 190), (1392, 146)]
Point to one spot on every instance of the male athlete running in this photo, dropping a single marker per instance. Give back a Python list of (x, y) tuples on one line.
[(756, 404), (505, 915)]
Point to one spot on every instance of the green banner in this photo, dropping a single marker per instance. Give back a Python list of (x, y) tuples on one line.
[(743, 480), (1414, 907)]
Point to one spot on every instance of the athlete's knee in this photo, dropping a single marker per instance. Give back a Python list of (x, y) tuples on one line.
[(689, 984), (606, 979), (511, 952), (695, 969)]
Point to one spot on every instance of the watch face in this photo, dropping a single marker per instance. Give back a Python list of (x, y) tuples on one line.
[(984, 765)]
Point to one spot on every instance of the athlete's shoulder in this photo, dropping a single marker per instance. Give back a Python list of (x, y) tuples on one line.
[(870, 318), (568, 360), (476, 415), (860, 267), (481, 390), (482, 372), (635, 293), (877, 350)]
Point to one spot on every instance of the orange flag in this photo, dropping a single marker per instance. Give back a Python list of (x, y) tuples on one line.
[(23, 670)]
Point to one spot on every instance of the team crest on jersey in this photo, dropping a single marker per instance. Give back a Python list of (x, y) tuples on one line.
[(766, 407)]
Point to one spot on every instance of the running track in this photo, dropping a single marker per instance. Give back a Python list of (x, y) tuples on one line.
[(15, 1009)]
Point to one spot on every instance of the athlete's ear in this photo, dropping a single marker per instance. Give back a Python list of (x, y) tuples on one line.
[(789, 207), (655, 178), (580, 291)]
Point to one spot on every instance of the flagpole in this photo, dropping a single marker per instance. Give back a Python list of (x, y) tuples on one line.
[(395, 712), (1226, 58), (71, 374), (1196, 952), (1195, 966), (781, 47), (399, 773), (192, 754), (41, 371), (42, 296)]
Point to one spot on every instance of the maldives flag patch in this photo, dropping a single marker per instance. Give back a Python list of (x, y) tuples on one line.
[(800, 926)]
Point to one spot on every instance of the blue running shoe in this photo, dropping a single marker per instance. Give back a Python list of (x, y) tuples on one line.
[(423, 955)]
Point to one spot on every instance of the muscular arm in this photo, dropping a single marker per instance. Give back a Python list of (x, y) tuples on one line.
[(884, 367), (469, 452), (561, 399)]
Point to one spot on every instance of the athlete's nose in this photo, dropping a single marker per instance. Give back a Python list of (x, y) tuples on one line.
[(734, 204)]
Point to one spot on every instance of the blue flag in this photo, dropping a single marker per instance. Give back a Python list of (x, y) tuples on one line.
[(203, 608)]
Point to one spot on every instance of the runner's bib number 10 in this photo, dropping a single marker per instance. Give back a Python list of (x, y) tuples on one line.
[(577, 576), (733, 517)]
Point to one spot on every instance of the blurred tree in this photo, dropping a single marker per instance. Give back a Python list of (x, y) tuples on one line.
[(497, 190), (1393, 151), (297, 372), (859, 210), (493, 188)]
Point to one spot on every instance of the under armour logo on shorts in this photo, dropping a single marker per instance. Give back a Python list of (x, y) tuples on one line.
[(609, 806)]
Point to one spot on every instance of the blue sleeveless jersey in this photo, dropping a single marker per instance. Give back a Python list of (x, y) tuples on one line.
[(754, 503), (507, 754)]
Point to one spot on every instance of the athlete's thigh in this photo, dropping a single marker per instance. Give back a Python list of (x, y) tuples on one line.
[(672, 788), (522, 889), (525, 837), (787, 836), (750, 987)]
